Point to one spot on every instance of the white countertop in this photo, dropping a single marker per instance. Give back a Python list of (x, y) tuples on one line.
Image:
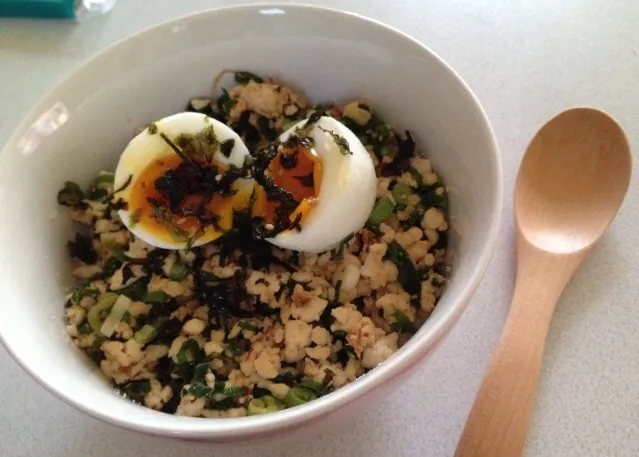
[(525, 63)]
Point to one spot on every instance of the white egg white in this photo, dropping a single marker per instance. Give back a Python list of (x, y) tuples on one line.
[(347, 192), (148, 147)]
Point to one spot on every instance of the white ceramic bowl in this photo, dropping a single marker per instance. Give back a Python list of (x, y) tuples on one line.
[(83, 125)]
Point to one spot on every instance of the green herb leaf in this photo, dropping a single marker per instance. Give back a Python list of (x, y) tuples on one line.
[(79, 294), (430, 197), (232, 348), (402, 323), (201, 370), (112, 264), (233, 392), (157, 296), (408, 275), (97, 193), (84, 328), (198, 390), (134, 217), (340, 141), (225, 103), (70, 195)]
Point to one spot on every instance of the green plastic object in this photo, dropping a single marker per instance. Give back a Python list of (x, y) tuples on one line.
[(63, 9)]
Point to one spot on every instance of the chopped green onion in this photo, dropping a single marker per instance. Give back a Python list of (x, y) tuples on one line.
[(408, 275), (298, 396), (247, 326), (120, 307), (146, 334), (402, 323), (178, 271), (383, 208), (401, 192), (105, 177), (263, 405), (157, 296), (188, 352), (94, 316), (317, 387), (70, 195), (244, 77)]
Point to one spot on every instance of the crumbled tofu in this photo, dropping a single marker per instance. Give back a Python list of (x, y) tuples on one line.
[(297, 335), (268, 100), (279, 390), (379, 271), (320, 336), (306, 305), (433, 219), (194, 327), (171, 288), (75, 314), (318, 352), (191, 406), (264, 285), (267, 364), (325, 316), (358, 111), (380, 351), (87, 271)]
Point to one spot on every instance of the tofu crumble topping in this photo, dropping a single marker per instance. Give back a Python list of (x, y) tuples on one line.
[(238, 326)]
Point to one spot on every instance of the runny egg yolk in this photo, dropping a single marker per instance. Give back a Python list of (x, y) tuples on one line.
[(169, 227), (299, 171)]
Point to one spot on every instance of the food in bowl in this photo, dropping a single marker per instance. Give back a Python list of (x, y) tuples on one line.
[(254, 253)]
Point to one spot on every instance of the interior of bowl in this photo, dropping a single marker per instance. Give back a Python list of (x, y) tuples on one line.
[(84, 124)]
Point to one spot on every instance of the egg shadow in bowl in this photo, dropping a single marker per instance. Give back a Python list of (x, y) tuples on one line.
[(83, 125)]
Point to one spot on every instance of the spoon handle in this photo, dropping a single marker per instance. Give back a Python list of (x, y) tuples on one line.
[(498, 422)]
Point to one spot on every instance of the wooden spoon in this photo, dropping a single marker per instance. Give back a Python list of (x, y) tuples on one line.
[(570, 185)]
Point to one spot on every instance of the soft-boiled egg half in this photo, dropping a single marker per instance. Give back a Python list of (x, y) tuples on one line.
[(173, 218), (332, 177)]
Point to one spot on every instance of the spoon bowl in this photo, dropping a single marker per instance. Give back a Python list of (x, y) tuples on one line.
[(571, 183)]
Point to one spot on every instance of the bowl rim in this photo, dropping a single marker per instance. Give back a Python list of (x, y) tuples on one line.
[(256, 426)]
